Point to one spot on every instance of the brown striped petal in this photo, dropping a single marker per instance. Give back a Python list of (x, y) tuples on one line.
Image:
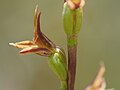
[(35, 49), (39, 38)]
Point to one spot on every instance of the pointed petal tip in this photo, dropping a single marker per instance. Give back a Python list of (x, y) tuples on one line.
[(36, 8), (24, 51), (21, 53), (102, 68), (102, 64), (12, 44), (82, 4)]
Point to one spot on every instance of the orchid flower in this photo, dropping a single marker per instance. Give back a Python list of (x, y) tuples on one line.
[(40, 45), (43, 46)]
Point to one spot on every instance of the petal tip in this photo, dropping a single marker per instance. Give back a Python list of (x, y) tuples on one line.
[(12, 44)]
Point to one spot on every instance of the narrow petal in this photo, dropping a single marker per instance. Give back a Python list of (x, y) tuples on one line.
[(35, 21), (40, 39), (31, 49), (22, 44), (37, 30), (99, 77), (27, 42), (37, 50)]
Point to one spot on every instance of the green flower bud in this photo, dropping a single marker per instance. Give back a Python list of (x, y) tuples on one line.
[(72, 20)]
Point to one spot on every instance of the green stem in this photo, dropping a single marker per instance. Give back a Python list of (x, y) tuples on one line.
[(72, 50), (63, 85)]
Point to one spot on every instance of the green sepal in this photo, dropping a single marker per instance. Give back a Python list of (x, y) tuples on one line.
[(72, 20)]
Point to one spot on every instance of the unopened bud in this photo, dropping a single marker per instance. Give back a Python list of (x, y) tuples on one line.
[(72, 20)]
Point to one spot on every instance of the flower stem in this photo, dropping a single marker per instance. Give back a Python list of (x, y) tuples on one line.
[(72, 53), (63, 85)]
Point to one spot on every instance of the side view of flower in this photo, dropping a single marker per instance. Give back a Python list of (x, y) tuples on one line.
[(43, 46), (40, 45)]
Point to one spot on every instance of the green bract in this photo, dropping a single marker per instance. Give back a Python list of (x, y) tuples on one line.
[(57, 62), (58, 65)]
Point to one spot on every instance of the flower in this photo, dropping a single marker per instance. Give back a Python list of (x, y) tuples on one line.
[(99, 82), (41, 44)]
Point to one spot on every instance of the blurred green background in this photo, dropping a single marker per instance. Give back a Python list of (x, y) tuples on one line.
[(99, 40)]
